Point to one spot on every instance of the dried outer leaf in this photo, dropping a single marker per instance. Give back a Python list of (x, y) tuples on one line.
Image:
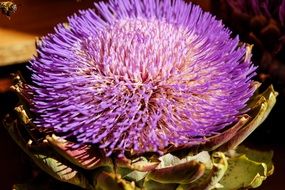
[(169, 160), (220, 166), (212, 176), (60, 171), (259, 112), (203, 157), (27, 125), (215, 141), (256, 99), (50, 165), (182, 173), (135, 176), (134, 170), (243, 173), (18, 85), (111, 181), (258, 156), (31, 131), (23, 116), (83, 156), (218, 140), (139, 164)]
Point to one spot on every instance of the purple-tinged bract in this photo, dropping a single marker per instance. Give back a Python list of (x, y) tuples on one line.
[(140, 76)]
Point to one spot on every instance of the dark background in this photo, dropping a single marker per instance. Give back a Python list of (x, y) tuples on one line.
[(37, 17)]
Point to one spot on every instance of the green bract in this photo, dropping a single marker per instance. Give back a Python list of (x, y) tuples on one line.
[(216, 164)]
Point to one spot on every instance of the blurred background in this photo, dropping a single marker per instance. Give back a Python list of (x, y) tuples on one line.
[(257, 22)]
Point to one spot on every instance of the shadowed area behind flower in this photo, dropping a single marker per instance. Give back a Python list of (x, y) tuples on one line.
[(260, 23)]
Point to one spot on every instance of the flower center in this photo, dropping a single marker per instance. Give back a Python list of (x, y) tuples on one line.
[(142, 51)]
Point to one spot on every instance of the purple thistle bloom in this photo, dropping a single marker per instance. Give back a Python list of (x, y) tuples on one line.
[(140, 76)]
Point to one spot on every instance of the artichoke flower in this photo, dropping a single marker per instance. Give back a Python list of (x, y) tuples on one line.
[(260, 23), (142, 95)]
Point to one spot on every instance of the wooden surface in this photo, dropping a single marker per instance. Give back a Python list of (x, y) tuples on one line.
[(15, 47), (33, 18)]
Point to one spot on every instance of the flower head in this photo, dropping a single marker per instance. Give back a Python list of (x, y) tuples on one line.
[(140, 76)]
